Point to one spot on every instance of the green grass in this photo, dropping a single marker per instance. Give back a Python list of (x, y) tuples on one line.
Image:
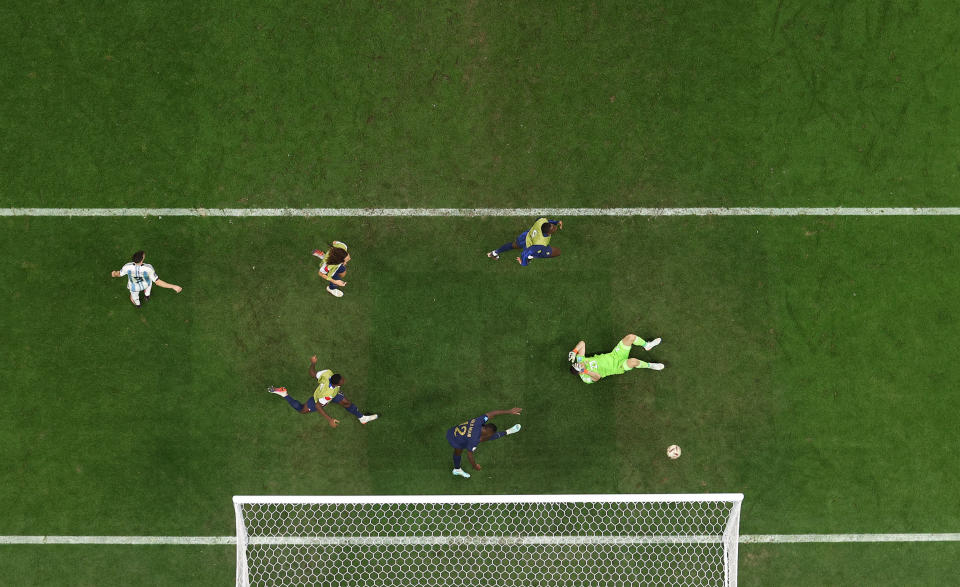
[(92, 566), (809, 360), (463, 104), (848, 564), (827, 409)]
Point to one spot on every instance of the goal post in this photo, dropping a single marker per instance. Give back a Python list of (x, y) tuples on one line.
[(471, 540)]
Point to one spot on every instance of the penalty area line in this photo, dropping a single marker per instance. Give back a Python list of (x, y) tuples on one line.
[(232, 541), (465, 212)]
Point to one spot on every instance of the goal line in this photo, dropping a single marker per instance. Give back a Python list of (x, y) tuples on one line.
[(467, 212), (232, 540)]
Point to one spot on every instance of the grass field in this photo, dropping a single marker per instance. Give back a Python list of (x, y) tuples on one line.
[(810, 361)]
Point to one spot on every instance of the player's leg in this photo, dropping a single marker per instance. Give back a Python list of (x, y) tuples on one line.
[(310, 406), (495, 254), (501, 433), (146, 292), (353, 409), (632, 363), (622, 351), (347, 405), (536, 252), (518, 243), (135, 298), (337, 275), (634, 340), (457, 459), (335, 289)]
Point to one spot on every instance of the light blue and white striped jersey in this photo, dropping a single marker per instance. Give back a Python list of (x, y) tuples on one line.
[(139, 277)]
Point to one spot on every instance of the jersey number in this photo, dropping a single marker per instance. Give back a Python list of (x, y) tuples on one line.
[(460, 430)]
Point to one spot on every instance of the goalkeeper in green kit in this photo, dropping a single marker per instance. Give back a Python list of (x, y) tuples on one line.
[(594, 368)]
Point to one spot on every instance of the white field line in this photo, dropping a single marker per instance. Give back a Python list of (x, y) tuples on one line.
[(470, 212), (230, 540)]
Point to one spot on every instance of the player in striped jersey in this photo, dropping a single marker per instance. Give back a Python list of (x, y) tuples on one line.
[(533, 243), (466, 437), (594, 368), (141, 277), (327, 391), (334, 267)]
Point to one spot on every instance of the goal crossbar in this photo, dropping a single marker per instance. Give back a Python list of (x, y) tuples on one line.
[(532, 498)]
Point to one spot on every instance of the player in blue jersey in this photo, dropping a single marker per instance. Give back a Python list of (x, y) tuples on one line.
[(533, 243), (466, 437)]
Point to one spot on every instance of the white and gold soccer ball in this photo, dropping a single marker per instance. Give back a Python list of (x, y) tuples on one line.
[(673, 451)]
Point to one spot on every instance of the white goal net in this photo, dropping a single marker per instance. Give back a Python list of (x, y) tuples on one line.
[(475, 541)]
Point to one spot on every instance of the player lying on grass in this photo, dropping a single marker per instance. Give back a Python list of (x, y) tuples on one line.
[(328, 390), (534, 242), (334, 267), (617, 361), (466, 437), (141, 278)]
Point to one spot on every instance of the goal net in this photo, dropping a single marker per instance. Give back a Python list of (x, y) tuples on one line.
[(472, 541)]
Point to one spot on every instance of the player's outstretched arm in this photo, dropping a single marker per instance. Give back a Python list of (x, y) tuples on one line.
[(580, 349), (115, 274), (163, 283), (514, 411), (313, 366), (333, 422), (473, 463)]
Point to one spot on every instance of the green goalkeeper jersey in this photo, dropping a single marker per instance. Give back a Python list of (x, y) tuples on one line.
[(605, 364)]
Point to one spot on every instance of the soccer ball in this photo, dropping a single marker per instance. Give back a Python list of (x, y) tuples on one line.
[(673, 451)]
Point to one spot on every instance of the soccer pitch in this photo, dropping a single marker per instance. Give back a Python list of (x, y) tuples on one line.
[(809, 359)]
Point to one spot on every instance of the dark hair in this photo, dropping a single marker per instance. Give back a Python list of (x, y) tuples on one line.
[(336, 378), (138, 256), (574, 370), (491, 426), (336, 256), (551, 228)]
